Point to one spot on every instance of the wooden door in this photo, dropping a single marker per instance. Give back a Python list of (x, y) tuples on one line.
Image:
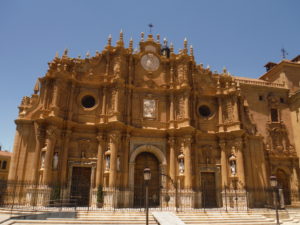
[(209, 194), (142, 161), (284, 184), (81, 183)]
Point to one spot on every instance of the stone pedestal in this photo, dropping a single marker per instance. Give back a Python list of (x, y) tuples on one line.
[(186, 198), (234, 199), (110, 198), (93, 198), (38, 196)]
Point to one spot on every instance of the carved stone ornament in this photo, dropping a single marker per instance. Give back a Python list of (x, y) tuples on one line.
[(181, 110), (117, 68), (149, 108), (273, 100), (150, 62)]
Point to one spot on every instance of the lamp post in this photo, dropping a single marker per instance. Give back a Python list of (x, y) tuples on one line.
[(147, 177), (273, 182)]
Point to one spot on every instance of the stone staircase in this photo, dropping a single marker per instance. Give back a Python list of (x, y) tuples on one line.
[(239, 218), (220, 218), (137, 217), (92, 217)]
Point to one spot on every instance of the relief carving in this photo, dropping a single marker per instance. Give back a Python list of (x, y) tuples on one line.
[(180, 107)]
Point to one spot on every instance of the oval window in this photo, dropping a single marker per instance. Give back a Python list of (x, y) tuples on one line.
[(88, 101), (204, 111)]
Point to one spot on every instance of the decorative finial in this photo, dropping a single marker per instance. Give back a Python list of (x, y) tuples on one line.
[(171, 47), (120, 41), (56, 55), (131, 43), (121, 35), (224, 70), (165, 42), (87, 54), (158, 38), (142, 36), (208, 67), (191, 50), (65, 52), (185, 43), (36, 87), (109, 40)]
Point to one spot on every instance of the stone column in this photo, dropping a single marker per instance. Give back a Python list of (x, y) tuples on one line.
[(126, 159), (55, 94), (103, 105), (16, 152), (240, 160), (187, 163), (50, 142), (186, 106), (114, 143), (172, 168), (99, 171), (64, 157), (224, 163), (116, 100), (221, 126), (235, 109), (39, 136), (171, 111)]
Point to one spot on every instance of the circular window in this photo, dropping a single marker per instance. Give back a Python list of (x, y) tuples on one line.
[(88, 101), (204, 111)]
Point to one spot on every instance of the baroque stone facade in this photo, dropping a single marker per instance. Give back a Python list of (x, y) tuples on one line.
[(95, 123)]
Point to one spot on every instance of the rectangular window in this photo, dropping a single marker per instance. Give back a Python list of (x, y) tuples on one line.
[(274, 115)]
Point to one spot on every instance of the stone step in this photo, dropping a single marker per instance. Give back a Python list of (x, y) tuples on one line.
[(40, 222)]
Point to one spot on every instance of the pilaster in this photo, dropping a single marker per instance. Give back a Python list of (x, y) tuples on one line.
[(50, 143), (187, 163), (39, 136), (99, 172), (172, 164), (114, 139)]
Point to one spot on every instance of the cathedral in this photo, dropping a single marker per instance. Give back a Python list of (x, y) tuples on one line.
[(93, 124)]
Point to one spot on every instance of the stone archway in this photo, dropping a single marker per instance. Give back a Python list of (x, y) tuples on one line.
[(143, 160), (284, 184), (155, 154)]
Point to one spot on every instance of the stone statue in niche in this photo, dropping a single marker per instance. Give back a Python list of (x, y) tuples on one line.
[(181, 166), (181, 74), (117, 69), (232, 162), (107, 162), (118, 163), (43, 158), (55, 161)]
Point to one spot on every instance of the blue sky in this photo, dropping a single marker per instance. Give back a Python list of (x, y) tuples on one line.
[(241, 35)]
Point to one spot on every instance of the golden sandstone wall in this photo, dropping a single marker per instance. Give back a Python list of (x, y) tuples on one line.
[(98, 119)]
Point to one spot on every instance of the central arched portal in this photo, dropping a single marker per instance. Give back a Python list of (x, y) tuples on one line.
[(143, 160)]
